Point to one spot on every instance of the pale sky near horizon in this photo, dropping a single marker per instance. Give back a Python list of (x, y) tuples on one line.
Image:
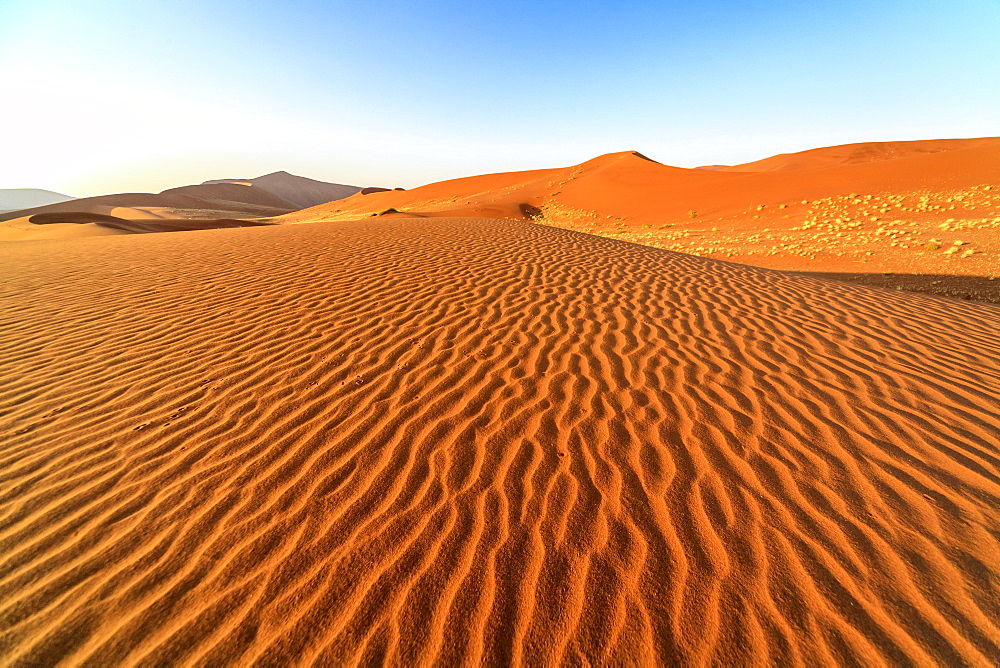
[(106, 96)]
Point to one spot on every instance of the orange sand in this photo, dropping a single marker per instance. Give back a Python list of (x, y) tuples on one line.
[(871, 208), (847, 154), (636, 189), (925, 213), (472, 441)]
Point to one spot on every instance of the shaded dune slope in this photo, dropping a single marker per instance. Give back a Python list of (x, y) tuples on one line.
[(244, 199), (269, 195), (210, 205), (142, 226), (226, 193), (468, 440), (300, 191)]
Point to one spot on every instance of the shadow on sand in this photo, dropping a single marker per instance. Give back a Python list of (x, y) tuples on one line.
[(144, 226), (972, 288)]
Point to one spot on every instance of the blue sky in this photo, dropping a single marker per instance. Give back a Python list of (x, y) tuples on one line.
[(111, 96)]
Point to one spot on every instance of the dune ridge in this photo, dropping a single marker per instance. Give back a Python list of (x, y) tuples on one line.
[(212, 204), (849, 154), (245, 200), (932, 209), (468, 440), (631, 188), (300, 191), (142, 226)]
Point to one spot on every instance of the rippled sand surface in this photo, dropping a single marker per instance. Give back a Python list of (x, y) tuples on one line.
[(467, 440)]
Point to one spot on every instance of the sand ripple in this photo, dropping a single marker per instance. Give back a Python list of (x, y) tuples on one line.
[(470, 441)]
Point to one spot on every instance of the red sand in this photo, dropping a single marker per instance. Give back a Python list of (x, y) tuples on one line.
[(846, 154), (865, 209), (468, 441), (638, 190), (926, 213)]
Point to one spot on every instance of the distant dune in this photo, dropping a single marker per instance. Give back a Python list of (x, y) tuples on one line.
[(416, 441), (190, 207), (232, 193), (12, 199), (141, 226), (297, 190)]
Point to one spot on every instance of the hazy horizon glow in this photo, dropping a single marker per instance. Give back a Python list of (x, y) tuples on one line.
[(108, 96)]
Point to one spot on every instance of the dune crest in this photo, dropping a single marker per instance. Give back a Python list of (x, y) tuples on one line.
[(849, 154), (299, 191), (471, 441), (213, 204), (828, 210), (629, 186)]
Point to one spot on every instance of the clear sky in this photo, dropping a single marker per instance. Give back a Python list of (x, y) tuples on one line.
[(140, 95)]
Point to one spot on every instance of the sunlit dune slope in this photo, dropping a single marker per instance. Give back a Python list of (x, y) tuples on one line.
[(846, 154), (478, 441), (899, 215), (489, 195), (631, 187)]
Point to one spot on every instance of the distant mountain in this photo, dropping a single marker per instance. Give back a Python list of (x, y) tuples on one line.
[(12, 199), (298, 190)]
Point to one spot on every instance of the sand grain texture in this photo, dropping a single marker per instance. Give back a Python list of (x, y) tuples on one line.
[(469, 440)]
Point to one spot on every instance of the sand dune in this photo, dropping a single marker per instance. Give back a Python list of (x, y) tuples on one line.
[(175, 199), (140, 226), (629, 186), (134, 213), (853, 207), (117, 220), (486, 441), (907, 209), (190, 207), (300, 191), (848, 154), (225, 193)]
